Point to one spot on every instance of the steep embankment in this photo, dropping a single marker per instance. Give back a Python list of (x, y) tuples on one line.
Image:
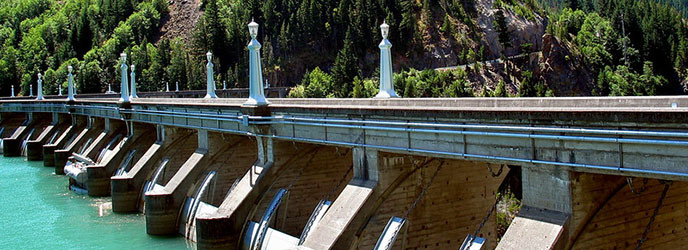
[(561, 70), (524, 28), (181, 20), (475, 37)]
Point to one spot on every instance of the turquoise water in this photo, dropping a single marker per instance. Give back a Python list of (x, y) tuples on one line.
[(38, 212)]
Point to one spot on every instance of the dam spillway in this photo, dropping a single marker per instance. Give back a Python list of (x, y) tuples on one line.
[(436, 163)]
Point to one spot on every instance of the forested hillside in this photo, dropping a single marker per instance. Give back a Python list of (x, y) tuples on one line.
[(46, 36), (329, 47), (630, 47)]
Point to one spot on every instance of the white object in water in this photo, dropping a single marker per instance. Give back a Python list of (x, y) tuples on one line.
[(76, 171)]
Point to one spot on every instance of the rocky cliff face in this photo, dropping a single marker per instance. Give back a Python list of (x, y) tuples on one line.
[(442, 50), (521, 29), (561, 70)]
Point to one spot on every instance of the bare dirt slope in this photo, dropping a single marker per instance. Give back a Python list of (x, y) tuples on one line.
[(181, 21)]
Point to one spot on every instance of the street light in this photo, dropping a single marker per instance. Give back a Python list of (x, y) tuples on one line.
[(256, 95), (124, 89), (386, 75)]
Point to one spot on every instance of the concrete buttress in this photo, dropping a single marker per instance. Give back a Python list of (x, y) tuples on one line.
[(162, 204), (546, 209), (127, 189), (77, 124)]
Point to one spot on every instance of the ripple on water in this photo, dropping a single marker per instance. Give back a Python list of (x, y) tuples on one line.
[(38, 212)]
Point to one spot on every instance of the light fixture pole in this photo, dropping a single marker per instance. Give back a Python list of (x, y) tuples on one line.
[(133, 82), (124, 89), (209, 77), (70, 84), (39, 95), (386, 75), (256, 95)]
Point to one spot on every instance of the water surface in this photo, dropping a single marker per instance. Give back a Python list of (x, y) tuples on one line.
[(38, 212)]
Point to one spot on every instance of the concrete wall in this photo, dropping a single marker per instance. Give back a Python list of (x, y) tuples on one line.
[(10, 121), (99, 175), (62, 154), (127, 190), (321, 171), (12, 144), (452, 207), (232, 157), (177, 154), (620, 223)]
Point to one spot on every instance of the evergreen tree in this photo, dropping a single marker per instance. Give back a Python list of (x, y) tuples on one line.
[(502, 29), (83, 31), (407, 26), (345, 69), (215, 28), (89, 78), (500, 90), (177, 70)]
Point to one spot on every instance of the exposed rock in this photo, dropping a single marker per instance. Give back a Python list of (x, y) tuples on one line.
[(561, 70), (521, 29), (440, 54), (181, 21)]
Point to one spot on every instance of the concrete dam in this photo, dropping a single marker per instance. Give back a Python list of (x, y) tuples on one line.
[(372, 173), (381, 173)]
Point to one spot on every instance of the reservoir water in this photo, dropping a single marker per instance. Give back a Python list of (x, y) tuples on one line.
[(38, 212)]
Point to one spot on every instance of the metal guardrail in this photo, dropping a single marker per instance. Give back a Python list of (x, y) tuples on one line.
[(280, 92), (614, 136)]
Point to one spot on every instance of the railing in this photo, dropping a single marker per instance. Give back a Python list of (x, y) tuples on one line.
[(213, 119), (276, 92)]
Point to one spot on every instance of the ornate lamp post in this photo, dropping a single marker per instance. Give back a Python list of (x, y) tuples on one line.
[(12, 94), (124, 91), (70, 84), (40, 87), (386, 76), (209, 77), (133, 82), (256, 96), (30, 90)]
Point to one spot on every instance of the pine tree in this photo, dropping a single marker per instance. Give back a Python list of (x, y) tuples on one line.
[(503, 30), (271, 17), (83, 31), (214, 27), (407, 26), (345, 68)]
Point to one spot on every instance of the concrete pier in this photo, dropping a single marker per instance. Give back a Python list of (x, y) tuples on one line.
[(277, 164), (99, 175), (162, 204), (78, 139), (34, 148), (32, 126), (77, 124), (126, 189)]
